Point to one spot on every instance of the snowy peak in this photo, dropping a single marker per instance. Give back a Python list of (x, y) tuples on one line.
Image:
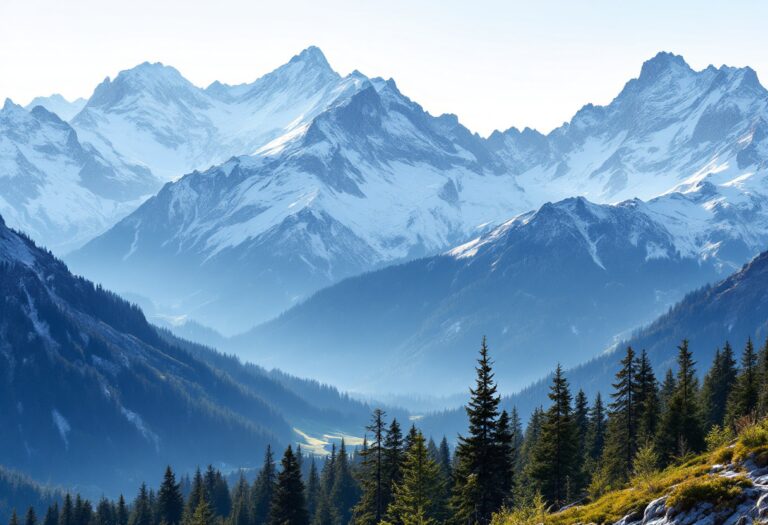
[(56, 103), (663, 64)]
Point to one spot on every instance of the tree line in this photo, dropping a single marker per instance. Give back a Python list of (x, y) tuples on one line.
[(569, 451)]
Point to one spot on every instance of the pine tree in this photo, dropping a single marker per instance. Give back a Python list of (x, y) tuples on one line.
[(532, 433), (196, 495), (326, 514), (505, 466), (717, 387), (14, 518), (371, 507), (667, 390), (170, 502), (419, 498), (680, 430), (621, 436), (597, 429), (313, 489), (581, 420), (121, 512), (264, 489), (66, 515), (345, 491), (647, 400), (83, 512), (517, 439), (105, 514), (30, 518), (203, 515), (392, 461), (289, 506), (554, 462), (142, 511), (217, 491), (475, 494), (762, 402), (240, 514), (744, 396), (52, 515)]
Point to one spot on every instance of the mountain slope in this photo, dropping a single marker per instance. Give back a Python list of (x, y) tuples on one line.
[(91, 394), (59, 190)]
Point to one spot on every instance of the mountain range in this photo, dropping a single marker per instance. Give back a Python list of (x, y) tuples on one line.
[(93, 396)]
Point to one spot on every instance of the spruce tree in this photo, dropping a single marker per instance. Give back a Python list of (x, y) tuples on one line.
[(621, 435), (105, 514), (170, 502), (66, 515), (240, 514), (647, 400), (196, 495), (744, 396), (14, 518), (392, 460), (52, 515), (142, 510), (666, 390), (289, 506), (597, 429), (345, 491), (517, 439), (717, 387), (203, 514), (581, 420), (680, 429), (505, 456), (554, 461), (419, 497), (532, 433), (326, 514), (264, 489), (475, 494), (31, 518), (121, 512), (372, 505), (313, 488)]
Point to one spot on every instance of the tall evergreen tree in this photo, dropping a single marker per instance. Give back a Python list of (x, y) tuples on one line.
[(371, 507), (264, 489), (196, 495), (517, 438), (241, 507), (142, 510), (745, 393), (392, 460), (717, 387), (345, 491), (66, 515), (419, 497), (680, 429), (505, 466), (52, 515), (532, 433), (621, 436), (326, 514), (475, 494), (597, 429), (667, 390), (105, 513), (289, 506), (203, 514), (554, 462), (313, 488), (170, 502), (121, 511), (14, 518), (30, 518)]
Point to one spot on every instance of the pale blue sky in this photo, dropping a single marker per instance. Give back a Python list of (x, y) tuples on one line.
[(495, 64)]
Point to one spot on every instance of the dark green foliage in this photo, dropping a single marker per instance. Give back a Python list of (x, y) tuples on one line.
[(621, 435), (373, 483), (313, 489), (680, 429), (554, 462), (345, 491), (217, 492), (142, 510), (744, 396), (30, 518), (717, 387), (170, 502), (647, 399), (264, 489), (289, 506), (392, 459), (241, 509), (597, 429)]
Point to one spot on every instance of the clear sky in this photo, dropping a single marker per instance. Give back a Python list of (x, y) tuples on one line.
[(495, 64)]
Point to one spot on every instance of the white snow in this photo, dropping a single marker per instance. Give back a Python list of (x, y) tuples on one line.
[(62, 425)]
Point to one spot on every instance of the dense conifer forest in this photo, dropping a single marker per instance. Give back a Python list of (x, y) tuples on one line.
[(572, 450)]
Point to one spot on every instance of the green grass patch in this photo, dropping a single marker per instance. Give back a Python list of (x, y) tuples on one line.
[(719, 491)]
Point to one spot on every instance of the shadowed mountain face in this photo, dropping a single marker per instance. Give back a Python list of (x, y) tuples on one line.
[(92, 395)]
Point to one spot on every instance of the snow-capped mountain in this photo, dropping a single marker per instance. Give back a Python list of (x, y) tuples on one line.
[(555, 285), (55, 103), (669, 126), (373, 179), (151, 115), (59, 190)]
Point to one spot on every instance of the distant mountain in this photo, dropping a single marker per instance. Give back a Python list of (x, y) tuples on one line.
[(733, 309), (558, 284), (91, 394), (59, 190), (372, 179), (19, 492), (59, 105), (153, 116)]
